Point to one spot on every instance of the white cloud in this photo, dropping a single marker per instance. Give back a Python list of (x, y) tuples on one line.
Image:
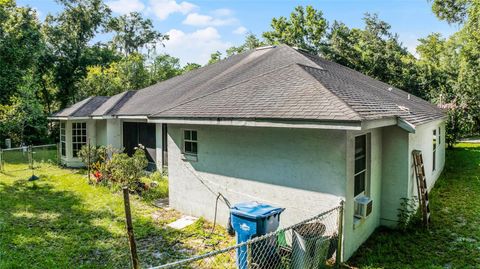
[(222, 12), (196, 19), (195, 47), (125, 6), (163, 8), (240, 30)]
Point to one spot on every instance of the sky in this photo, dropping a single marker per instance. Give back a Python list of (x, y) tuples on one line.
[(199, 28)]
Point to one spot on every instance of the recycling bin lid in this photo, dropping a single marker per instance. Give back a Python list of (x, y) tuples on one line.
[(255, 210)]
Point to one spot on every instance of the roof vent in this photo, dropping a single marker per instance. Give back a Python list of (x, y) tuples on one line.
[(265, 47), (389, 89), (408, 96)]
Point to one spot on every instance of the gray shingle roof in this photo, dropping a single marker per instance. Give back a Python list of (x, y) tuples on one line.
[(84, 108), (270, 83)]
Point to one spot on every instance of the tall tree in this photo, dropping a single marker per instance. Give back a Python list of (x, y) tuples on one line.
[(305, 29), (68, 35), (164, 67), (251, 42), (132, 33), (374, 51), (21, 43)]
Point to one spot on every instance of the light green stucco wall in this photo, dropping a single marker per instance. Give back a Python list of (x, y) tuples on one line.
[(422, 140), (395, 173), (356, 234), (101, 132), (299, 169)]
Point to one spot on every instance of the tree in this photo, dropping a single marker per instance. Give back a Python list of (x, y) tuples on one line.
[(251, 42), (374, 51), (164, 67), (190, 66), (23, 120), (68, 34), (21, 43), (215, 57), (132, 33), (453, 11), (130, 73), (305, 29)]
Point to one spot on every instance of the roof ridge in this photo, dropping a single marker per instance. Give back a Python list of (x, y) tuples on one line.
[(302, 67), (222, 89)]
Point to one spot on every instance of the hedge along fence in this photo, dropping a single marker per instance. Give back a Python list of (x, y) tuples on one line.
[(28, 157), (312, 243)]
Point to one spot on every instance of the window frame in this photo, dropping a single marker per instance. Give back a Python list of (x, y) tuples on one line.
[(63, 139), (190, 140), (366, 170), (77, 145)]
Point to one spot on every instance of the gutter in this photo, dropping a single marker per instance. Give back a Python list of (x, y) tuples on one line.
[(405, 125)]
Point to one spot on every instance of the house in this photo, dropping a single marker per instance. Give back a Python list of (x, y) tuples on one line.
[(274, 125)]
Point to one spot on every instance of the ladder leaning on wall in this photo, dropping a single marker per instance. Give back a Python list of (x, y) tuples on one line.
[(421, 186)]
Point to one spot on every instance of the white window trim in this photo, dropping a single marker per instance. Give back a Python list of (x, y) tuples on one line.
[(434, 150), (63, 139), (189, 156), (72, 135), (366, 191)]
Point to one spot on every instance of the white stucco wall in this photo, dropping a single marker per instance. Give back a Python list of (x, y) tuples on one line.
[(114, 133), (422, 140), (301, 170), (101, 132), (355, 233)]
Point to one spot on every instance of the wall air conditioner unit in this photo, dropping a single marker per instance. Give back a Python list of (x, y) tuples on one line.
[(363, 206)]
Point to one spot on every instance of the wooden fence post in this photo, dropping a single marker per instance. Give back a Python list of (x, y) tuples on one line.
[(131, 238)]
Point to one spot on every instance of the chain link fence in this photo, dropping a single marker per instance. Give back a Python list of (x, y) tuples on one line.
[(28, 157), (312, 243)]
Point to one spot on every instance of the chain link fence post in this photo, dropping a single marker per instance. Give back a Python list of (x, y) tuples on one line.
[(59, 154), (1, 160), (338, 259)]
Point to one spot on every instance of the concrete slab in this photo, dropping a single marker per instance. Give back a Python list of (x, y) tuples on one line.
[(182, 222)]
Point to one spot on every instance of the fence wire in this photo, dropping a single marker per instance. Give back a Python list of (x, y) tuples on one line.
[(28, 157), (312, 243)]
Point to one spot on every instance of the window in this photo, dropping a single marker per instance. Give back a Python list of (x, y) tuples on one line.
[(79, 136), (190, 142), (439, 135), (361, 172), (63, 149), (434, 151)]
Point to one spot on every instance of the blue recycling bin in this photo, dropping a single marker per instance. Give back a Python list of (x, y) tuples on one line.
[(252, 219)]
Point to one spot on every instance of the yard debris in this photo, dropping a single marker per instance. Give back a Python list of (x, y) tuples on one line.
[(161, 203), (183, 222)]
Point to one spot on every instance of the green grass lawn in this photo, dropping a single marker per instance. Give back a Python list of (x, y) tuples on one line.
[(60, 221), (453, 241)]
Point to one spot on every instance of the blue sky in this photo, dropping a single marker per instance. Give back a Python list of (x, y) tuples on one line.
[(198, 28)]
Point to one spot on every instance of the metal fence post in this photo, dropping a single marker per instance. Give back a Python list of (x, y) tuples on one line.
[(131, 237), (88, 159), (339, 257), (59, 154), (1, 160)]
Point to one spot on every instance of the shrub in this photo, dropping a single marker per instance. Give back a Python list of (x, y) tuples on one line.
[(407, 213), (126, 170)]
